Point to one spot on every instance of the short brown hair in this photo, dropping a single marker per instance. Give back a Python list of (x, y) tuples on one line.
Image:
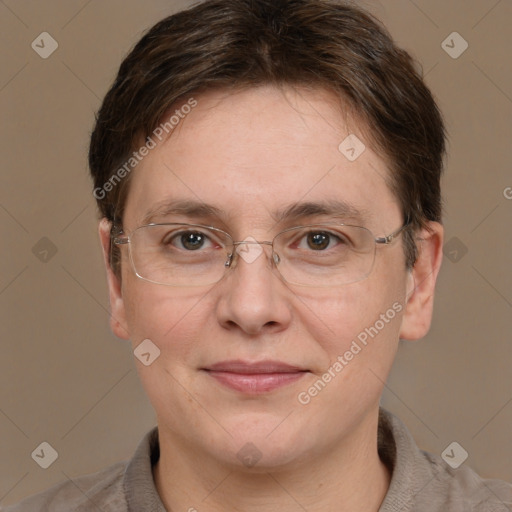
[(245, 43)]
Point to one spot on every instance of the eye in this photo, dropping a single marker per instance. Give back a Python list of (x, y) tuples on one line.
[(319, 241), (188, 240)]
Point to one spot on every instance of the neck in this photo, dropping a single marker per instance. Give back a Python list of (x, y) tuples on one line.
[(348, 477)]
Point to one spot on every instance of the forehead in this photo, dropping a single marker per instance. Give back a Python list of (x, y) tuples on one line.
[(257, 153)]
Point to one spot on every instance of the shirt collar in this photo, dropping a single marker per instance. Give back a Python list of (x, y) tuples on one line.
[(397, 449), (138, 484)]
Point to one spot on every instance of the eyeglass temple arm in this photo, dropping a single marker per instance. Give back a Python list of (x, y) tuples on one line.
[(389, 238), (115, 235), (116, 240)]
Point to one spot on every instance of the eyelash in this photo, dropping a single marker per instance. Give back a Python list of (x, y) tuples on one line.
[(170, 238)]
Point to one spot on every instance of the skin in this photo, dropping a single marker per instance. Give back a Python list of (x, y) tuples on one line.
[(250, 154)]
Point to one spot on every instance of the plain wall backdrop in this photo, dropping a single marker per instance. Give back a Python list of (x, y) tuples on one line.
[(66, 380)]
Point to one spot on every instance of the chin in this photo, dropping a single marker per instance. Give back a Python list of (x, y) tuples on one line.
[(261, 445)]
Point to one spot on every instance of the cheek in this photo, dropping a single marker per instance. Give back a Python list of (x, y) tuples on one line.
[(359, 332), (367, 313), (359, 339), (173, 319)]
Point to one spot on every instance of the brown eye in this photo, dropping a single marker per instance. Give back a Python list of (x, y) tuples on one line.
[(318, 241), (188, 240)]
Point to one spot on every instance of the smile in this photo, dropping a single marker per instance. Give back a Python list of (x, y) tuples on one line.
[(255, 378)]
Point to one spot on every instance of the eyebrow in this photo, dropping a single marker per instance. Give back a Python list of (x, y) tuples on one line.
[(187, 208), (332, 208), (191, 208)]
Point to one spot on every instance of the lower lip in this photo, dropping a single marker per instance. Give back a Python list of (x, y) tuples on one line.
[(255, 383)]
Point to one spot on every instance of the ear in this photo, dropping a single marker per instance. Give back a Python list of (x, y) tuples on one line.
[(117, 317), (421, 283)]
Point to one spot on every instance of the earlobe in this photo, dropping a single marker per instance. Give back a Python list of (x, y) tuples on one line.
[(117, 310), (421, 283)]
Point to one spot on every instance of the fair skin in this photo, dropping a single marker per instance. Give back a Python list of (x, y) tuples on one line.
[(249, 155)]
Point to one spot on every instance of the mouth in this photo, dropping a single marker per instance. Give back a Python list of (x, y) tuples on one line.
[(254, 378)]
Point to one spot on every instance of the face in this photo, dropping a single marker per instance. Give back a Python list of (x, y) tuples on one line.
[(249, 156)]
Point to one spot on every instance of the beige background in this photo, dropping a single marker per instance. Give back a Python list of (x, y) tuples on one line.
[(65, 379)]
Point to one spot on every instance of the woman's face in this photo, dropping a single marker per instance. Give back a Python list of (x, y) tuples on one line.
[(238, 161)]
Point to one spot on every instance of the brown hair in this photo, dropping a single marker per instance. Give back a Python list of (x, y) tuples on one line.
[(245, 43)]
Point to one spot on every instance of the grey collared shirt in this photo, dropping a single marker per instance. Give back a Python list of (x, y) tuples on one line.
[(420, 482)]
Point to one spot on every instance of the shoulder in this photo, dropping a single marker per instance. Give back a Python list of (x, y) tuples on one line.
[(124, 486), (424, 482), (463, 487), (98, 491)]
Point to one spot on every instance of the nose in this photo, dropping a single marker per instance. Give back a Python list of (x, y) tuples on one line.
[(252, 298)]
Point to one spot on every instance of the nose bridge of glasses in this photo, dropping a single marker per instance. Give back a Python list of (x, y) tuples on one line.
[(252, 241), (248, 258)]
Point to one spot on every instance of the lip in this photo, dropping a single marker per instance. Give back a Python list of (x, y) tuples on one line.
[(254, 377)]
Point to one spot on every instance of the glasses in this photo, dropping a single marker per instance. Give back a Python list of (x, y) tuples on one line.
[(186, 255)]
